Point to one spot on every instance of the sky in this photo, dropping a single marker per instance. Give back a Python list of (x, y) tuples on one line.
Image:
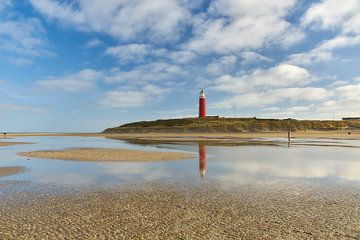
[(85, 65)]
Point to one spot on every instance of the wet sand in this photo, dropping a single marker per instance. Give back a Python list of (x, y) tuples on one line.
[(158, 211), (5, 144), (8, 171), (108, 155)]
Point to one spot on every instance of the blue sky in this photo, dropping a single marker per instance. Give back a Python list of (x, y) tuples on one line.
[(85, 65)]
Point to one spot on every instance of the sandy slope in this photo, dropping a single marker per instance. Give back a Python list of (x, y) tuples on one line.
[(5, 144), (105, 154), (7, 171)]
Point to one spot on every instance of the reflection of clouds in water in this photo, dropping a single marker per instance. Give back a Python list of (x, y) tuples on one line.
[(102, 173), (250, 163), (69, 178), (230, 165), (142, 170), (238, 170), (123, 168)]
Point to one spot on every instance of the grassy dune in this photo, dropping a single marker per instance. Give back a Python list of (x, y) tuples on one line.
[(213, 124)]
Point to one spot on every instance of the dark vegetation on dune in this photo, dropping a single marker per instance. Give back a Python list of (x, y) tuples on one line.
[(214, 124)]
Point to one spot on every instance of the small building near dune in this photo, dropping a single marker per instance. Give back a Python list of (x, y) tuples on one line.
[(350, 118)]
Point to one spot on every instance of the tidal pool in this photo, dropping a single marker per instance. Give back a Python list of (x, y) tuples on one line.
[(318, 161)]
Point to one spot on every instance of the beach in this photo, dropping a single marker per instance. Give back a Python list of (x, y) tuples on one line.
[(108, 155), (343, 134), (6, 144), (255, 191), (153, 211), (8, 171), (183, 137)]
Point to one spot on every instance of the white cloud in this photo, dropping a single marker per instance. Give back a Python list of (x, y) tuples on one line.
[(298, 108), (341, 107), (338, 83), (343, 101), (271, 109), (120, 99), (181, 56), (17, 60), (356, 79), (22, 39), (339, 42), (233, 25), (226, 26), (282, 75), (20, 108), (141, 52), (266, 98), (83, 80), (222, 65), (324, 51), (286, 90), (340, 16), (348, 92), (291, 111), (132, 98), (122, 19), (134, 52), (93, 43), (331, 14), (4, 4), (313, 56), (155, 90), (253, 57), (155, 71)]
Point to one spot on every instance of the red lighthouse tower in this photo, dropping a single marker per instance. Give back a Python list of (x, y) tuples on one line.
[(202, 104)]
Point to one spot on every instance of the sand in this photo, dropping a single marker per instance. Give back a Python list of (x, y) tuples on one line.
[(108, 155), (355, 134), (5, 144), (235, 136), (233, 139), (8, 171), (158, 211)]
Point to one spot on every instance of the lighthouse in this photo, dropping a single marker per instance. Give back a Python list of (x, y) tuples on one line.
[(202, 104)]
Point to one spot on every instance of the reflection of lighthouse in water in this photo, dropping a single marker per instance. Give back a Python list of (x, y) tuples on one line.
[(202, 159)]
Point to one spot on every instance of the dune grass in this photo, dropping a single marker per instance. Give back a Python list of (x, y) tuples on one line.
[(214, 124)]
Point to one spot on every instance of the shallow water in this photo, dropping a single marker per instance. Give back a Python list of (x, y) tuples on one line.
[(319, 161)]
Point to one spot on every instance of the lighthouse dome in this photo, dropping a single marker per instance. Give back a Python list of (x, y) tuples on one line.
[(202, 93)]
